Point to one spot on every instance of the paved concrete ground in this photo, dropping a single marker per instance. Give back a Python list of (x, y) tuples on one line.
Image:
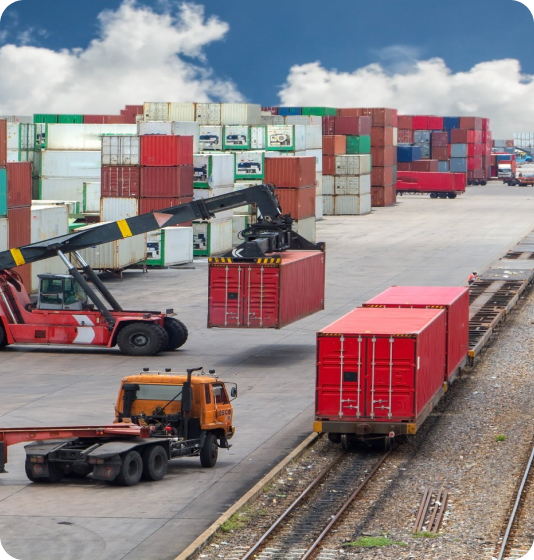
[(419, 241)]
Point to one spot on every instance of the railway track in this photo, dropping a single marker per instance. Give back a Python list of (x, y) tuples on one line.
[(297, 534)]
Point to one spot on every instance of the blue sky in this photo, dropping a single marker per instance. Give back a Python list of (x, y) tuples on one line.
[(263, 44)]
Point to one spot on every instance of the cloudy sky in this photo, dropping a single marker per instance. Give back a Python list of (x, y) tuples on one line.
[(453, 58)]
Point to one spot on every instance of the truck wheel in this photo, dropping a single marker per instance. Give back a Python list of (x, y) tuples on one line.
[(131, 469), (155, 462), (3, 338), (142, 339), (177, 333), (483, 183), (452, 195), (209, 452), (433, 195), (54, 474)]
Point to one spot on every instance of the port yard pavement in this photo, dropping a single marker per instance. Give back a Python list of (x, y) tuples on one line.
[(419, 241)]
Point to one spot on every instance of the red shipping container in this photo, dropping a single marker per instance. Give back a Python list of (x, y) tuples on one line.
[(382, 176), (329, 125), (18, 235), (406, 122), (334, 145), (19, 184), (493, 171), (299, 203), (147, 205), (435, 123), (379, 369), (462, 136), (270, 110), (474, 162), (3, 142), (171, 182), (439, 138), (105, 119), (427, 165), (420, 122), (266, 295), (161, 150), (440, 153), (474, 150), (349, 112), (381, 136), (353, 126), (454, 300), (381, 116), (290, 172), (485, 124), (120, 181), (384, 156), (471, 123), (420, 181), (404, 136), (404, 166), (329, 165), (476, 174), (383, 196)]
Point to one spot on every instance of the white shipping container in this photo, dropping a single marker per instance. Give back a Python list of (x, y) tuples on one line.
[(13, 156), (116, 255), (257, 137), (395, 135), (305, 228), (347, 205), (318, 155), (173, 245), (202, 194), (182, 112), (285, 154), (113, 209), (354, 164), (71, 164), (306, 120), (240, 222), (300, 137), (248, 209), (328, 185), (352, 184), (272, 120), (120, 150), (72, 206), (27, 136), (314, 137), (92, 193), (319, 208), (210, 138), (16, 119), (154, 127), (186, 128), (208, 113), (240, 114), (60, 188), (213, 238), (83, 136), (4, 245), (13, 136), (213, 170), (318, 184), (156, 111)]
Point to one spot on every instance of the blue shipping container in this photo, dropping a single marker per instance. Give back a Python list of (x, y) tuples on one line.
[(459, 150), (504, 157), (458, 165), (420, 136), (451, 122), (443, 166), (3, 191), (286, 111), (407, 154)]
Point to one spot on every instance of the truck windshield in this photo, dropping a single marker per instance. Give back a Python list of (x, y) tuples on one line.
[(159, 393)]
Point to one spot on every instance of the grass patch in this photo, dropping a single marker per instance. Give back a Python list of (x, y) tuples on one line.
[(236, 522), (373, 542), (425, 535), (500, 437)]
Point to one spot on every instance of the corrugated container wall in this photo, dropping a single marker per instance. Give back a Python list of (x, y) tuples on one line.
[(114, 209), (120, 150), (240, 114), (171, 182), (290, 172), (123, 181), (166, 150), (83, 136), (3, 142), (19, 184)]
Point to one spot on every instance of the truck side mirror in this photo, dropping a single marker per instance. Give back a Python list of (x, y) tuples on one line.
[(233, 392)]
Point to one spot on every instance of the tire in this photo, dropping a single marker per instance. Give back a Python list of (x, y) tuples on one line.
[(131, 469), (142, 339), (452, 195), (334, 438), (177, 333), (433, 195), (442, 195), (3, 338), (209, 451), (483, 183), (345, 442), (54, 474), (155, 463)]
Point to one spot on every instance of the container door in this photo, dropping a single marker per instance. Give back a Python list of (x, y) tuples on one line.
[(226, 295), (340, 391), (389, 378), (260, 296)]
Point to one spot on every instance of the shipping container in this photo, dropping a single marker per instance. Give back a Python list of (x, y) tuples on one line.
[(106, 119), (266, 295), (475, 150), (458, 165), (353, 164), (154, 127), (319, 111), (240, 114), (272, 120), (166, 182), (120, 150), (383, 196), (418, 181), (382, 116), (4, 245), (349, 112), (166, 150), (67, 164), (290, 172), (334, 145), (240, 222), (422, 136), (210, 138), (420, 122), (381, 136), (427, 165), (213, 170), (329, 126), (19, 226), (306, 120), (42, 119), (465, 136), (120, 181), (185, 128), (384, 156), (435, 123), (382, 176), (314, 137), (318, 184), (249, 165), (455, 302), (3, 142), (380, 370), (451, 122), (349, 185), (236, 137), (408, 153), (19, 185), (147, 205), (347, 205), (182, 112), (170, 246), (3, 191), (291, 138), (474, 163), (406, 122), (354, 126), (318, 155), (86, 137), (202, 194), (405, 136), (212, 238), (257, 137), (440, 153), (158, 111), (359, 144), (92, 192), (471, 123), (439, 139), (443, 166), (208, 114), (319, 209), (120, 208), (285, 111), (329, 165), (298, 202)]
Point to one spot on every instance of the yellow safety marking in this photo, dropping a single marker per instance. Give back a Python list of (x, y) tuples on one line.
[(318, 427), (125, 228), (471, 353), (411, 428), (17, 256), (445, 387)]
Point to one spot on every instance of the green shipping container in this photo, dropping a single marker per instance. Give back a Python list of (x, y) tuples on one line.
[(319, 111), (70, 119), (3, 191), (45, 119), (358, 144)]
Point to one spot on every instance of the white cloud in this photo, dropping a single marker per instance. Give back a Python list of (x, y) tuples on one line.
[(135, 58), (529, 4), (496, 89)]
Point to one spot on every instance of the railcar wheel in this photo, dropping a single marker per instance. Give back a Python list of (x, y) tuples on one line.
[(209, 452), (131, 469), (177, 333), (155, 463), (142, 339), (345, 442)]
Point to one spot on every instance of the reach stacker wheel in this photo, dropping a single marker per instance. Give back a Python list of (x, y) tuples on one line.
[(177, 333), (142, 339), (209, 452)]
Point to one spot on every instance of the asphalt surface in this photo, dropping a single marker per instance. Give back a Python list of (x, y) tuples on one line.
[(419, 242)]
